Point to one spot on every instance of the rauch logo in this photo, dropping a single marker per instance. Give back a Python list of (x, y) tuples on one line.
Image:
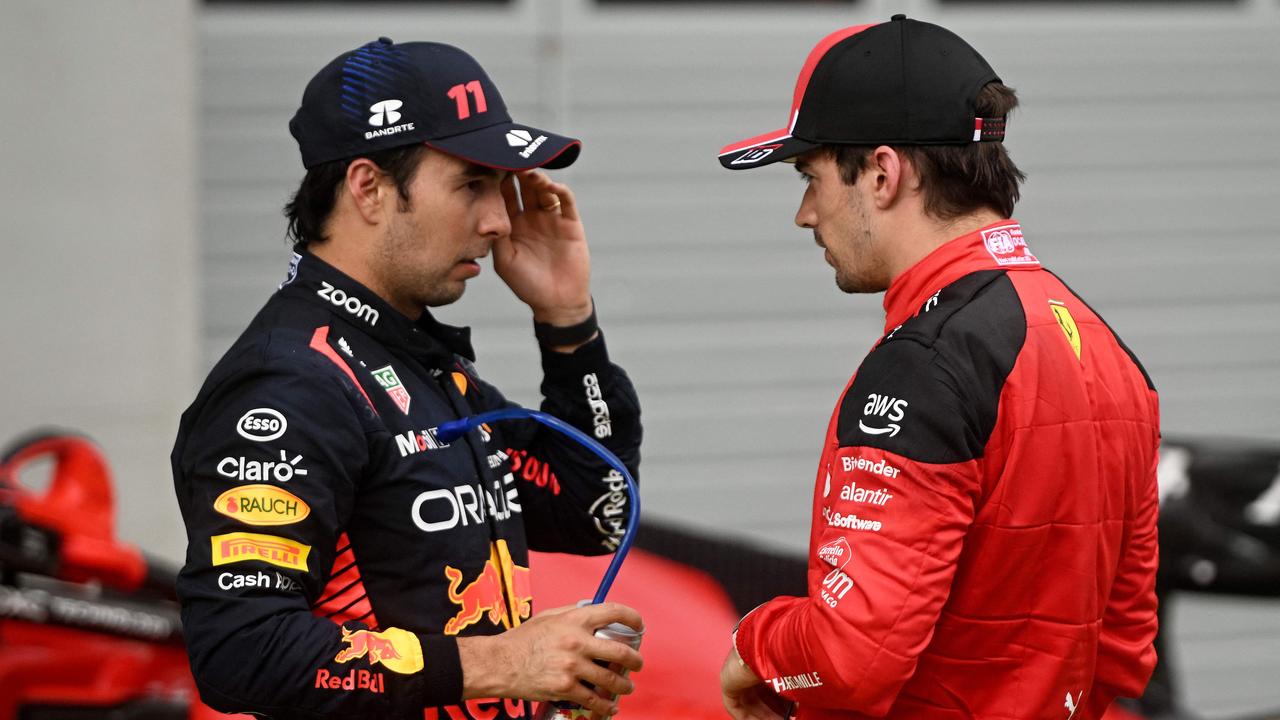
[(261, 505)]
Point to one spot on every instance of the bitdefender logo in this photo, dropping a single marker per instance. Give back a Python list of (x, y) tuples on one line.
[(384, 113)]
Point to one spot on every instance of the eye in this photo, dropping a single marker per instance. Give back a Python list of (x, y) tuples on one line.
[(476, 186), (805, 178)]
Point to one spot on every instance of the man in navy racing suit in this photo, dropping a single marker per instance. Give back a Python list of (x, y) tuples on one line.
[(342, 560)]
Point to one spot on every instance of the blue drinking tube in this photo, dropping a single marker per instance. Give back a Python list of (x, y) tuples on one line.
[(454, 429)]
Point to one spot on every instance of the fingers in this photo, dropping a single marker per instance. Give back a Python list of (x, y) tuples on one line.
[(754, 704), (538, 191), (568, 203), (508, 188), (530, 190), (591, 700), (610, 682), (556, 610), (597, 616), (612, 651)]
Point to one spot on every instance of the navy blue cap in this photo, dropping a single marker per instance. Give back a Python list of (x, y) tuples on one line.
[(386, 95)]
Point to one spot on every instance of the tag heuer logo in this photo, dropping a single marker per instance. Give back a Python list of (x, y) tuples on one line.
[(390, 382)]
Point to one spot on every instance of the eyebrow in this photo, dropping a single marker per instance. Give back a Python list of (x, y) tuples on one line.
[(473, 171), (802, 166)]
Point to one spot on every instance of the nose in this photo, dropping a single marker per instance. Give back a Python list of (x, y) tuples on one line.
[(494, 221), (806, 217)]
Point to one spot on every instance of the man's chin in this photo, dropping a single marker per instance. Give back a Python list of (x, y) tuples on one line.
[(447, 295), (855, 286)]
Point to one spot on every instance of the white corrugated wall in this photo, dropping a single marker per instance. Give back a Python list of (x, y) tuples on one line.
[(1149, 132)]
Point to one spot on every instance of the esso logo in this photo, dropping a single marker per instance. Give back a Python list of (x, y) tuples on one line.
[(262, 424)]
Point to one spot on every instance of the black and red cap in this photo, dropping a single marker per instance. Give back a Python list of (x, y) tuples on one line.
[(903, 82), (384, 95)]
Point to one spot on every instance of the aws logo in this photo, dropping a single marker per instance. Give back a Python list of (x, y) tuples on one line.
[(880, 408)]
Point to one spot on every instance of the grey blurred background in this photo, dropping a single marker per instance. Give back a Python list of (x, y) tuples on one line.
[(144, 158)]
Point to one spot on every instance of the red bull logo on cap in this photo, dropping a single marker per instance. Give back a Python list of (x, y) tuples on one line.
[(502, 590), (397, 650)]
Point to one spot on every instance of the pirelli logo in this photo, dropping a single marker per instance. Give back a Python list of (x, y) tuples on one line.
[(242, 547)]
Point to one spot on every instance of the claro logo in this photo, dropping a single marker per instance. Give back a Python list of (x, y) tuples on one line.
[(262, 424), (349, 303)]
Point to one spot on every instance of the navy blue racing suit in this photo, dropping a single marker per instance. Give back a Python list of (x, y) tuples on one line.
[(336, 547)]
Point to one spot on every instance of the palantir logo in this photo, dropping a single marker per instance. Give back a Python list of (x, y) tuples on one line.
[(384, 113)]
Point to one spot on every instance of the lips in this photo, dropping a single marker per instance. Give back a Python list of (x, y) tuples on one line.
[(470, 267)]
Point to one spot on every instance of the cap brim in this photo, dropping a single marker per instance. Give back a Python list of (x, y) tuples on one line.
[(509, 146), (763, 150)]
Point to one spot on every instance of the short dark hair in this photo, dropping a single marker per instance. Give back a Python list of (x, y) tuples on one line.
[(954, 179), (310, 207)]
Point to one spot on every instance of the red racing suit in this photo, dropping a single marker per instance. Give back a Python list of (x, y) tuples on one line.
[(984, 519)]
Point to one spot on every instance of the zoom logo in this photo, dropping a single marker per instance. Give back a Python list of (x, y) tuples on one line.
[(384, 113), (350, 303)]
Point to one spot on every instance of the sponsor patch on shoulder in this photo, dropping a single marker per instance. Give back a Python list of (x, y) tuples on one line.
[(244, 547), (261, 505), (1007, 246)]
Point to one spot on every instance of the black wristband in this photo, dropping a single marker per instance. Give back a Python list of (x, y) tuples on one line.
[(555, 336)]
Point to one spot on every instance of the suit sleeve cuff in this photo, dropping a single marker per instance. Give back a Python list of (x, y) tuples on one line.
[(591, 357), (744, 641), (442, 670)]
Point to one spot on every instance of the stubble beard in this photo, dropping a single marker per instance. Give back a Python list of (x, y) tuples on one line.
[(420, 285), (865, 271)]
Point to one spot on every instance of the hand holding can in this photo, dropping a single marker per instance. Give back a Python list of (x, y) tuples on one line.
[(557, 655), (567, 710)]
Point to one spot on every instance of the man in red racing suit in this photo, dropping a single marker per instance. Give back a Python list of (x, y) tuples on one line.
[(984, 519)]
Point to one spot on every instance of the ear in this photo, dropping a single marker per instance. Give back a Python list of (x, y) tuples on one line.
[(366, 187), (887, 172)]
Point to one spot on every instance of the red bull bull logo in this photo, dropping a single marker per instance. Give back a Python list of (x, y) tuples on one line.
[(503, 591), (397, 650)]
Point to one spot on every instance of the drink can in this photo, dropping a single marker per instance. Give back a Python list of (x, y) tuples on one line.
[(565, 710)]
